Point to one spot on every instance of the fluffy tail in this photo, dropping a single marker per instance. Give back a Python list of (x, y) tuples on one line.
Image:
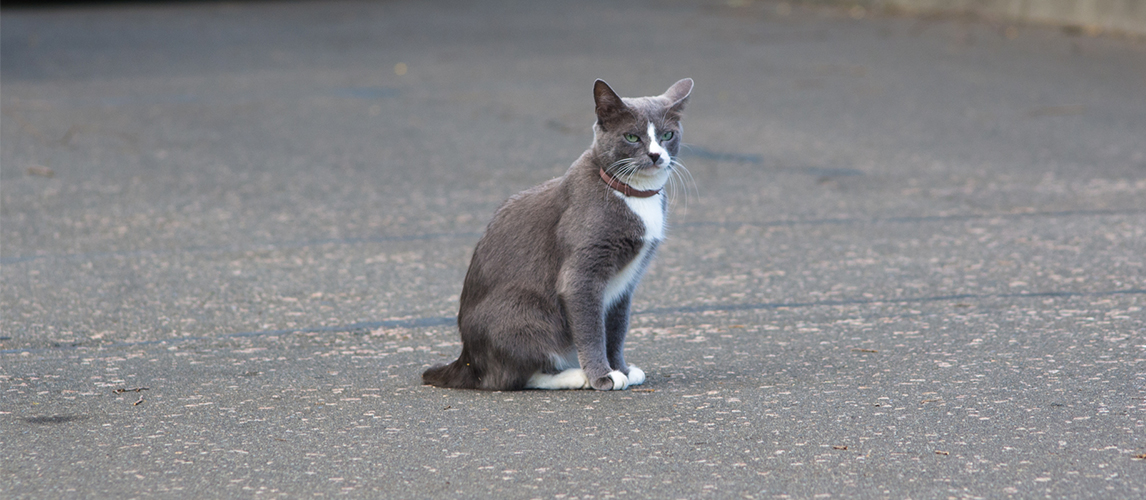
[(457, 375)]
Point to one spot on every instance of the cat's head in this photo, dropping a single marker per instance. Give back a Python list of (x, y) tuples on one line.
[(637, 138)]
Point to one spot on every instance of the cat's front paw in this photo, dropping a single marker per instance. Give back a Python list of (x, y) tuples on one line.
[(614, 381), (636, 375)]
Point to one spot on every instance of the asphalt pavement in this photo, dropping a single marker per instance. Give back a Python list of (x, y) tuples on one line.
[(911, 263)]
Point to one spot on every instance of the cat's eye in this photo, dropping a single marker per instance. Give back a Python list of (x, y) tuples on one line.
[(632, 138), (667, 136)]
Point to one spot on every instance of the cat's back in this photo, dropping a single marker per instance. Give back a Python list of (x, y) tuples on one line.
[(520, 239), (535, 208)]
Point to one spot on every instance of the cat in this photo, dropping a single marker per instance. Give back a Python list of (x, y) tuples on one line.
[(545, 303)]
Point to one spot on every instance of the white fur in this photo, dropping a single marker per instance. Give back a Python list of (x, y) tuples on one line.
[(652, 214), (573, 378), (620, 381), (636, 376), (655, 146), (623, 281)]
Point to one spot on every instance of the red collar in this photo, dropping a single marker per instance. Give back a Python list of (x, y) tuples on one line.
[(626, 189)]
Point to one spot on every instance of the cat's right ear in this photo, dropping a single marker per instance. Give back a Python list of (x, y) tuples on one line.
[(678, 95), (609, 104)]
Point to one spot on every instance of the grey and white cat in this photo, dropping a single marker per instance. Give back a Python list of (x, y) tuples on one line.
[(545, 303)]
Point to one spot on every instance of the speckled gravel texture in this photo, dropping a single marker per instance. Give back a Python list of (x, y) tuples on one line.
[(911, 264)]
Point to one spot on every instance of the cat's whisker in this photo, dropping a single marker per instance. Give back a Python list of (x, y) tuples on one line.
[(613, 166), (685, 178), (630, 172), (686, 175), (614, 169), (625, 166), (623, 169), (680, 184)]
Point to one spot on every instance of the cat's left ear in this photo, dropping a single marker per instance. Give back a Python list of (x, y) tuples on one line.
[(609, 104), (678, 94)]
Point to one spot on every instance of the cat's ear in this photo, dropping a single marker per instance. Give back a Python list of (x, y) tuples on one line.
[(678, 94), (609, 104)]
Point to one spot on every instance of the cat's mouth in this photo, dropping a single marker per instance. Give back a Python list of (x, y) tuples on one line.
[(653, 166), (641, 171)]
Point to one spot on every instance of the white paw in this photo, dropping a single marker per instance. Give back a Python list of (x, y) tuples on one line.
[(574, 378), (620, 381), (636, 375)]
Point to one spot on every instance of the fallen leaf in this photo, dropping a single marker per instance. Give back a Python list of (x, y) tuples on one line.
[(41, 171)]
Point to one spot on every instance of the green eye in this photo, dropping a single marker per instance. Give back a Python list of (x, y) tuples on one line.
[(632, 138), (667, 136)]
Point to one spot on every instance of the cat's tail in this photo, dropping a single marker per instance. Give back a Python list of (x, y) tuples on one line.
[(460, 374)]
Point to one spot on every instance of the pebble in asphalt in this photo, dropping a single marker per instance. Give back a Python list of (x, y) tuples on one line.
[(910, 264)]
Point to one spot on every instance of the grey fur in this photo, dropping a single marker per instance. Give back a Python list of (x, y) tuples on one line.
[(535, 287)]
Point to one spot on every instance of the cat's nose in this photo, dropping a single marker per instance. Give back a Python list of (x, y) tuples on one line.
[(656, 158)]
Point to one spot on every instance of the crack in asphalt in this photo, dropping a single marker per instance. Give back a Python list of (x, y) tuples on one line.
[(843, 221), (432, 321)]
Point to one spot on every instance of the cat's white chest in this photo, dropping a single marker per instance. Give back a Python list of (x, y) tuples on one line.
[(651, 212)]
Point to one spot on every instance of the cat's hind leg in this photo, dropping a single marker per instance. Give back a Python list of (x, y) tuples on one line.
[(511, 342), (569, 374), (573, 378)]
